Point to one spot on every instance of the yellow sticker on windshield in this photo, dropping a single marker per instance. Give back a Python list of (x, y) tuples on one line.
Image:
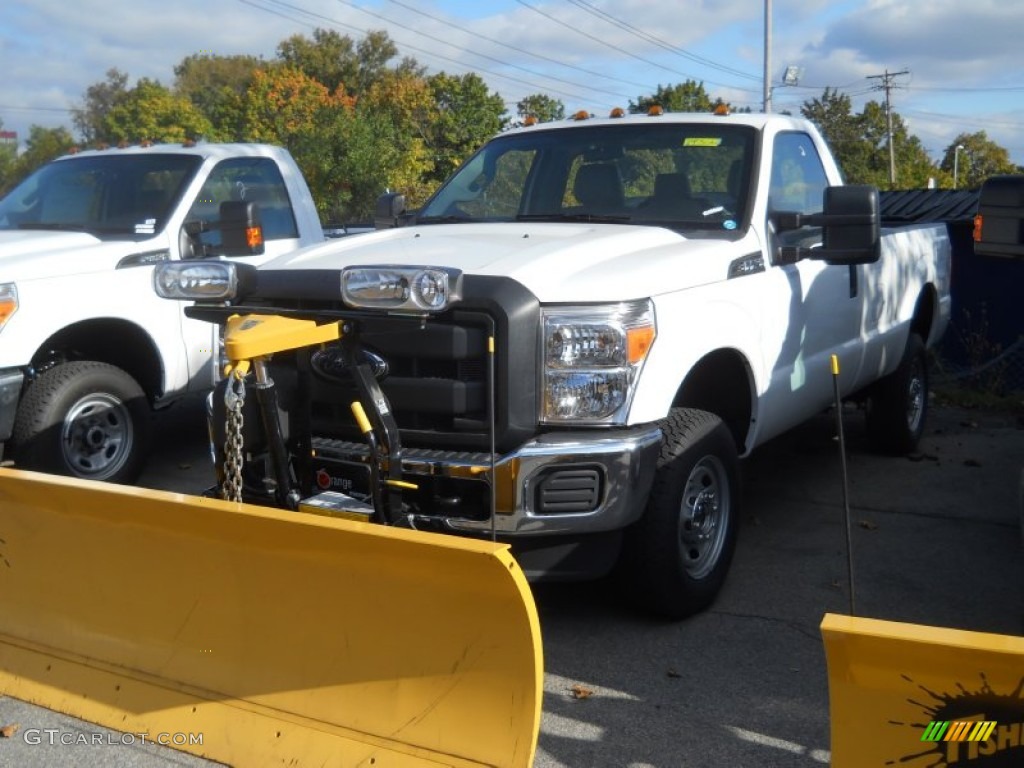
[(697, 141)]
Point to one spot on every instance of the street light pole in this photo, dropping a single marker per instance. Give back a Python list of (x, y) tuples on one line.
[(767, 55), (956, 162)]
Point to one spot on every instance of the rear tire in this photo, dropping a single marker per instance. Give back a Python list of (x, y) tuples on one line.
[(675, 558), (897, 406), (85, 419)]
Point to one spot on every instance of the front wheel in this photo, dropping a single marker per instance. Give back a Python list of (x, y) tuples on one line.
[(676, 557), (85, 419), (898, 404)]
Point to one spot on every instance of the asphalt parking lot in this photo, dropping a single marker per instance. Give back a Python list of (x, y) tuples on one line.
[(935, 541)]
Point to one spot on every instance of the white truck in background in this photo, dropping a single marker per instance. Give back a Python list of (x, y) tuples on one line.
[(571, 344), (86, 347)]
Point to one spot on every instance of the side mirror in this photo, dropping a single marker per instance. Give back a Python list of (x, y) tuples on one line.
[(241, 233), (999, 223), (241, 229), (390, 206), (851, 226)]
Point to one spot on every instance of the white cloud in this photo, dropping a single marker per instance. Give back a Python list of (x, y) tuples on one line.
[(51, 50)]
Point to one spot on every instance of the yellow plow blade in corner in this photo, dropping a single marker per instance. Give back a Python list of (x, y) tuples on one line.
[(272, 637), (923, 697)]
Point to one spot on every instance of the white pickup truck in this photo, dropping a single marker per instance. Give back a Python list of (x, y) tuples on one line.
[(86, 347), (575, 339)]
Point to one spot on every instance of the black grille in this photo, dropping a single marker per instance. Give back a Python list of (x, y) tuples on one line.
[(437, 380)]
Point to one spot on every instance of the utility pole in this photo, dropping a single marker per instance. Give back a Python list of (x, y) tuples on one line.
[(887, 86), (767, 55)]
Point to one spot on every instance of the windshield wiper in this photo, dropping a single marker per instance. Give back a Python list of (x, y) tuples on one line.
[(593, 218), (449, 219)]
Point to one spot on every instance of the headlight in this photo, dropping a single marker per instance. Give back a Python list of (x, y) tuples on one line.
[(592, 357), (8, 302), (401, 289), (196, 280)]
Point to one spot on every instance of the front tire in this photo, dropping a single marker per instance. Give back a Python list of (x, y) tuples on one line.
[(897, 406), (676, 557), (85, 419)]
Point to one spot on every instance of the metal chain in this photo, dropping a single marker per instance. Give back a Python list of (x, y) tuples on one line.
[(234, 399)]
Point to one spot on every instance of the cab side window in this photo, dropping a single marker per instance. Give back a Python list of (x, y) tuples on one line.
[(798, 177), (250, 179)]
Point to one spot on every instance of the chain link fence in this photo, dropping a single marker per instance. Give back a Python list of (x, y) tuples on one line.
[(1001, 374)]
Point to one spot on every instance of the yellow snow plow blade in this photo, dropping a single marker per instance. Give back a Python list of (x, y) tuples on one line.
[(259, 637), (904, 694)]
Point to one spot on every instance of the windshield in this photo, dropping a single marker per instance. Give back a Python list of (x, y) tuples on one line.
[(685, 176), (115, 194)]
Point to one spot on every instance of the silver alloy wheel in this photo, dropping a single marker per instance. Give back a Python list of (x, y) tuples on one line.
[(97, 436), (704, 511)]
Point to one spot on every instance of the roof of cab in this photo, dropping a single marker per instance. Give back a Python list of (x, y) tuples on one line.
[(758, 120), (200, 149)]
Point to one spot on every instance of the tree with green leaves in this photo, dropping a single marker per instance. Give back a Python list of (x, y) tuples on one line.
[(100, 98), (860, 142), (688, 96), (540, 106), (336, 60), (41, 146), (151, 112), (978, 158), (465, 115), (216, 86), (8, 160)]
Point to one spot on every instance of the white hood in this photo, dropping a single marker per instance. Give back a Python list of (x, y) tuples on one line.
[(555, 261), (34, 254)]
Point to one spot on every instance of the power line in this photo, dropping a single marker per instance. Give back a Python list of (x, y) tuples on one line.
[(648, 37), (12, 108), (429, 54), (622, 50), (947, 89), (436, 39), (531, 54)]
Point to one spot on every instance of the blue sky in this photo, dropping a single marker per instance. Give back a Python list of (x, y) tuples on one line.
[(965, 71)]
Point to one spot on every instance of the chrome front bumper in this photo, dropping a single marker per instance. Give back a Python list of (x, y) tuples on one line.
[(622, 460), (11, 381)]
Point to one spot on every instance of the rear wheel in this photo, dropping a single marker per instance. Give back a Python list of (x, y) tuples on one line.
[(676, 557), (86, 419), (898, 404)]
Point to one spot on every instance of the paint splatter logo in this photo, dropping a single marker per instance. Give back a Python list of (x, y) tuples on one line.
[(1003, 747)]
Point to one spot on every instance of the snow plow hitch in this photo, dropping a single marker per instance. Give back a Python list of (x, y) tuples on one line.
[(250, 341)]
